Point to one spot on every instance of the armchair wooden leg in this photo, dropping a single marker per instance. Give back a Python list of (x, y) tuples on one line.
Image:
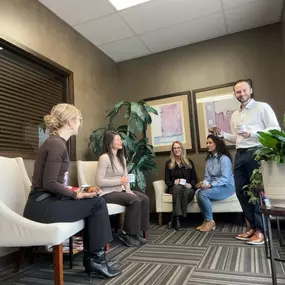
[(18, 257), (58, 264), (107, 247), (145, 235), (31, 254), (160, 219), (122, 219)]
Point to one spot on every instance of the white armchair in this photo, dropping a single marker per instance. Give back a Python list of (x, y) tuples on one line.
[(86, 173), (17, 231), (163, 202)]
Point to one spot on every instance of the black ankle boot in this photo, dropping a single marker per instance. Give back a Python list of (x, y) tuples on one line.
[(95, 262), (177, 224), (170, 224)]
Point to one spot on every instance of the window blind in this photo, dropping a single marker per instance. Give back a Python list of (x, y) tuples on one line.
[(27, 93)]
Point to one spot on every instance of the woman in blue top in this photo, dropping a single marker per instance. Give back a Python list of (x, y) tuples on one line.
[(218, 183)]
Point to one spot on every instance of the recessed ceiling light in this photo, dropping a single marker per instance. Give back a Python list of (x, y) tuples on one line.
[(1, 48), (123, 4)]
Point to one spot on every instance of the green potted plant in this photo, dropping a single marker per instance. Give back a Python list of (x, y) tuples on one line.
[(140, 156), (271, 156), (256, 183)]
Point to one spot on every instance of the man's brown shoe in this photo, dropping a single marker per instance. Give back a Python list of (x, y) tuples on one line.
[(246, 236), (256, 239)]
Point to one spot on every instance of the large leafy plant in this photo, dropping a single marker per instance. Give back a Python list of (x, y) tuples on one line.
[(140, 156), (272, 149), (255, 183)]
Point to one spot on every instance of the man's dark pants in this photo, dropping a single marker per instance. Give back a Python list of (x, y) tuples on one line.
[(244, 166)]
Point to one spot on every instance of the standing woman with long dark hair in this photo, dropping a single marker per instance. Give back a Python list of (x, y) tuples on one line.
[(180, 178), (112, 178), (218, 183)]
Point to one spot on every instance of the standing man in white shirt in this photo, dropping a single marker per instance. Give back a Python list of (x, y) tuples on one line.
[(251, 117)]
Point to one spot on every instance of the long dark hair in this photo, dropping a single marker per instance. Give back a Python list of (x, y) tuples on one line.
[(220, 147), (107, 147)]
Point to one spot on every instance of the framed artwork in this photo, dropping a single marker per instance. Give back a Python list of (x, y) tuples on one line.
[(213, 106), (173, 122)]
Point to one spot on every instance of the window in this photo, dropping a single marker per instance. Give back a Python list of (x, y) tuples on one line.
[(29, 87)]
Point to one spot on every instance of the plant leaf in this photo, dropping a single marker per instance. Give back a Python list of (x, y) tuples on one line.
[(128, 113), (128, 142), (140, 180), (151, 109), (130, 167), (267, 140), (138, 111), (132, 125), (114, 112)]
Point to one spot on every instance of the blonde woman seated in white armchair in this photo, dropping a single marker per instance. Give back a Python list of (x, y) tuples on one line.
[(51, 202), (180, 178)]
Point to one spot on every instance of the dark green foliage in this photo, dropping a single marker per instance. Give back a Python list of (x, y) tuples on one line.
[(140, 156)]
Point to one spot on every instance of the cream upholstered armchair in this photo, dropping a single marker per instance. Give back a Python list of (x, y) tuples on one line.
[(17, 231), (163, 202), (86, 173)]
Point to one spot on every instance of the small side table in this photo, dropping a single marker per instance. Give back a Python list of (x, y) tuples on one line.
[(266, 213)]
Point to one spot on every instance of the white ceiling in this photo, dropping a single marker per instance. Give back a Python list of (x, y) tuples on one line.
[(160, 25)]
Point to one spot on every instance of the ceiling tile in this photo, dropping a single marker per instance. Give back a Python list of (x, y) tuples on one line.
[(125, 49), (227, 4), (78, 11), (186, 33), (255, 14), (158, 14), (105, 30)]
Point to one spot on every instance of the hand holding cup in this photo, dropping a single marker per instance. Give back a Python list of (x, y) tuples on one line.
[(124, 180)]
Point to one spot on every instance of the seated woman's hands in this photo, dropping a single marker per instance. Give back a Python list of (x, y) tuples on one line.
[(202, 185), (89, 192), (187, 185), (124, 180), (82, 195), (199, 185)]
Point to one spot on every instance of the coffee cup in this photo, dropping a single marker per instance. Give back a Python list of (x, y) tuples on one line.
[(241, 128), (182, 181), (132, 178), (83, 186)]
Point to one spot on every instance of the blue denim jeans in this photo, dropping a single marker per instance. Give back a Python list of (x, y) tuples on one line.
[(205, 196)]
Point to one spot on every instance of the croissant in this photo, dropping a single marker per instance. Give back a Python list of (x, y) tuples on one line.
[(91, 189)]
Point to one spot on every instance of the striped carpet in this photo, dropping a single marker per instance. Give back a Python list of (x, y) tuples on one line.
[(186, 257)]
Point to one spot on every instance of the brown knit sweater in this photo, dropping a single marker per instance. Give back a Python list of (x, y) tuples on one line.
[(50, 166)]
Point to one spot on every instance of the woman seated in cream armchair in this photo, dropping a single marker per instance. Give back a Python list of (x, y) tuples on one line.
[(180, 178), (112, 177), (218, 183)]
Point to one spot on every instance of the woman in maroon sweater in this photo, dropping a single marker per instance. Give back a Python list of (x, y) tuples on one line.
[(51, 202)]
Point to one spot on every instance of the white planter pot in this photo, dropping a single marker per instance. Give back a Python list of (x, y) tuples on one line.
[(273, 175)]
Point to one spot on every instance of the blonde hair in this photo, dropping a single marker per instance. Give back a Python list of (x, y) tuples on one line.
[(60, 114), (184, 159)]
